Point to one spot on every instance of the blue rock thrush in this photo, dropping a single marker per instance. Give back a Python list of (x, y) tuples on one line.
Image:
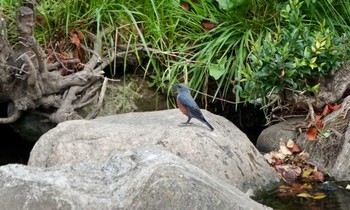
[(188, 106)]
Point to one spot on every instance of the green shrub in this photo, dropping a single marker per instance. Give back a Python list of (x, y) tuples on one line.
[(294, 57)]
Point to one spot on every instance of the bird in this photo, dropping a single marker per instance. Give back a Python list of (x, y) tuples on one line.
[(188, 106)]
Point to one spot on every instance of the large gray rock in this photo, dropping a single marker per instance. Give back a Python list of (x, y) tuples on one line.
[(225, 153), (140, 178)]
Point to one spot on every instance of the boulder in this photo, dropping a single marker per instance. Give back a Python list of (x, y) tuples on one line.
[(137, 178), (270, 138), (225, 153)]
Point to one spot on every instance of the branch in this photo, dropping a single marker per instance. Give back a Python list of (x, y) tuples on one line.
[(95, 112), (13, 118)]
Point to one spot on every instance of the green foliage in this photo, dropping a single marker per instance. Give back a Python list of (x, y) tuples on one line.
[(294, 57), (218, 54)]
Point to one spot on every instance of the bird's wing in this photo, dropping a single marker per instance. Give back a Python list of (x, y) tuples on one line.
[(187, 101), (194, 110)]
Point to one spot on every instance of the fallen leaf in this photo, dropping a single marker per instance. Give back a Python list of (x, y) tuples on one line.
[(290, 143), (278, 156), (347, 187), (307, 172), (283, 187), (290, 172), (296, 148), (80, 35), (206, 24), (305, 195), (284, 150), (334, 108), (74, 39), (317, 176), (318, 196), (277, 163), (326, 110), (185, 5), (326, 133), (304, 156), (307, 186), (311, 134)]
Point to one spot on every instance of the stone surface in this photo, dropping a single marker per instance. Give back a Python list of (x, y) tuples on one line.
[(225, 153), (341, 169), (138, 178), (270, 138)]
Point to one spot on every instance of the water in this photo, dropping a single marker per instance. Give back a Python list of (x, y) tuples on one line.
[(337, 198)]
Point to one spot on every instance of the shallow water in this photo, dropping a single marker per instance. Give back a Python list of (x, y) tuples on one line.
[(337, 198)]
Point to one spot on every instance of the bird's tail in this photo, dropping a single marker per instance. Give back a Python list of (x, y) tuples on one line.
[(206, 122)]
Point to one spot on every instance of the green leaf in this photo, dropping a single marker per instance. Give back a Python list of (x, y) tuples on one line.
[(326, 133), (313, 88), (226, 4), (306, 53), (215, 71), (313, 65), (313, 60)]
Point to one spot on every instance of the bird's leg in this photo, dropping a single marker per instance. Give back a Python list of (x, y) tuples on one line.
[(188, 121)]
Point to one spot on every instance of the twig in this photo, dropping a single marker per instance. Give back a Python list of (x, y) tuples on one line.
[(311, 113), (215, 98), (270, 104), (39, 53), (89, 94), (58, 60), (85, 48), (13, 118), (94, 113)]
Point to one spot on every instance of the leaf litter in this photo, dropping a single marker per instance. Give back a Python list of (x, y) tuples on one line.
[(293, 166)]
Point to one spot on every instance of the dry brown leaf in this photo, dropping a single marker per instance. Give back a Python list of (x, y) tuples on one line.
[(185, 5), (334, 108), (296, 148), (206, 24), (326, 110), (311, 134), (283, 187), (317, 176)]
